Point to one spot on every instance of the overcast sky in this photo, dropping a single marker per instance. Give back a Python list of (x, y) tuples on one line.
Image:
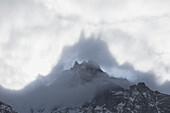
[(34, 32)]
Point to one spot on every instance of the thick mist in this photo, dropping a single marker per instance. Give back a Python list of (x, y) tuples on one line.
[(94, 48), (57, 88)]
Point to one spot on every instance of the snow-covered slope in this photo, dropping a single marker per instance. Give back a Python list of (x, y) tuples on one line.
[(138, 99), (4, 108)]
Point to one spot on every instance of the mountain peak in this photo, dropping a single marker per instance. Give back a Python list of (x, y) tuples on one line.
[(86, 65), (141, 84), (84, 72), (76, 64)]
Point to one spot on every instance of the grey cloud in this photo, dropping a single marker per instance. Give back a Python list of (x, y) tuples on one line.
[(97, 50), (23, 25), (30, 19), (87, 49)]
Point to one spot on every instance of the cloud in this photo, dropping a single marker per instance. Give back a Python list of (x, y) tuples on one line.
[(93, 48), (30, 40), (85, 48), (34, 32)]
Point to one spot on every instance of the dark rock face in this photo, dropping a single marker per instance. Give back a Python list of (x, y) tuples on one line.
[(4, 108), (138, 99)]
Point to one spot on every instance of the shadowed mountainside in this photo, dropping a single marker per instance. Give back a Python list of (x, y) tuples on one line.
[(87, 88)]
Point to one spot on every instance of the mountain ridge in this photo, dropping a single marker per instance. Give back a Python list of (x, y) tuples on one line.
[(85, 87)]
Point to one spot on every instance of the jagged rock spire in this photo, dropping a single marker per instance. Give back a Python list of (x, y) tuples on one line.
[(75, 64)]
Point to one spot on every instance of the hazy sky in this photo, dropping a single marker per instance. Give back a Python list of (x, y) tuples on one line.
[(34, 32)]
